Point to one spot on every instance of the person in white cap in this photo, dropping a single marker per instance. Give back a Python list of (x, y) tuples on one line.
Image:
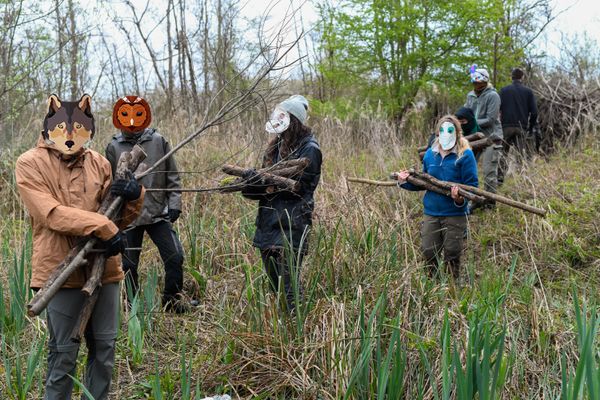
[(485, 103), (285, 217)]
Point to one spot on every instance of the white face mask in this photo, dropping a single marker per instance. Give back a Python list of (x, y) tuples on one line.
[(447, 136), (278, 122)]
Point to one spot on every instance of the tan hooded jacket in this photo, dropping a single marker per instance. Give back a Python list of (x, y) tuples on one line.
[(62, 198)]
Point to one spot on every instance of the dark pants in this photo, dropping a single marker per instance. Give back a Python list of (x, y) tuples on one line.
[(284, 266), (443, 234), (513, 137), (100, 337), (171, 252)]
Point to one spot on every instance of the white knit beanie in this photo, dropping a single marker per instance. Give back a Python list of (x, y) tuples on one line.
[(296, 105)]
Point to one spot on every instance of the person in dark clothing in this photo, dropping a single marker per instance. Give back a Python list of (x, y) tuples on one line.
[(284, 217), (131, 115), (518, 113), (467, 120)]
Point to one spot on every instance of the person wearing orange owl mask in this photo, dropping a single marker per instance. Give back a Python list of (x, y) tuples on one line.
[(132, 117)]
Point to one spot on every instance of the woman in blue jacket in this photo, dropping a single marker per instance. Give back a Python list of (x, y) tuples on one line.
[(450, 158)]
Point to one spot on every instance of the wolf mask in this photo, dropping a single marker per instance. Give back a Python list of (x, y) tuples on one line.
[(69, 125)]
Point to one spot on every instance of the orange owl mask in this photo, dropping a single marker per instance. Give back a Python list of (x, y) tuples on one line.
[(131, 114)]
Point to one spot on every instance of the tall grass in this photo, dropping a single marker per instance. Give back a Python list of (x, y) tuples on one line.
[(370, 324)]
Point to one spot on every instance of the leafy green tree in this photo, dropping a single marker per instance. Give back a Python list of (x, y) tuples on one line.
[(387, 51)]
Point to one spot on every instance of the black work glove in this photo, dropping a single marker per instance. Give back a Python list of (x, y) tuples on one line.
[(128, 188), (174, 214), (114, 245), (251, 176)]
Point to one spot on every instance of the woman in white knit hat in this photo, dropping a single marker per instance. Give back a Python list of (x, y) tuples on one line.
[(284, 217)]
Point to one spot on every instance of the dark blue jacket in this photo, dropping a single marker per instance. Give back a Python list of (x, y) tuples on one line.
[(518, 106), (284, 217), (452, 169)]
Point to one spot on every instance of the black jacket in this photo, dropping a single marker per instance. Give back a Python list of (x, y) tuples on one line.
[(284, 217), (517, 107), (156, 204)]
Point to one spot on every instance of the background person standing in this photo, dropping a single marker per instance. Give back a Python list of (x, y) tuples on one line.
[(485, 103), (132, 116), (518, 112)]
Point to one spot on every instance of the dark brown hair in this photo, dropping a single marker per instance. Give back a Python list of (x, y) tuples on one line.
[(287, 142)]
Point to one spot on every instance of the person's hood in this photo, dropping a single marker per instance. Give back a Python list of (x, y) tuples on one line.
[(469, 115), (44, 144)]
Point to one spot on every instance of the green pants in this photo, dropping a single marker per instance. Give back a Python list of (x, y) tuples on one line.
[(443, 235), (100, 337), (490, 157)]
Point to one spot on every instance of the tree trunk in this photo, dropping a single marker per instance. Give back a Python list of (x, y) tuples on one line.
[(73, 78)]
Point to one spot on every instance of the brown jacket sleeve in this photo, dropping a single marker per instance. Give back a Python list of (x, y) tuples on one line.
[(46, 210)]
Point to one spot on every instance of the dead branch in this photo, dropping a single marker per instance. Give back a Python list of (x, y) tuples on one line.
[(483, 193)]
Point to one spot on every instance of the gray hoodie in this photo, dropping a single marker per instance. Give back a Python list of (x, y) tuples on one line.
[(486, 108), (156, 204)]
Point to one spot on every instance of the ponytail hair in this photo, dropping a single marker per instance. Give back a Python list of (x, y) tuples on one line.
[(462, 144)]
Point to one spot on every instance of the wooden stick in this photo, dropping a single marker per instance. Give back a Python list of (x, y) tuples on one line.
[(411, 179), (92, 290), (269, 178), (94, 283), (492, 196), (372, 182), (300, 163), (284, 172), (95, 278), (479, 145), (41, 299), (448, 185)]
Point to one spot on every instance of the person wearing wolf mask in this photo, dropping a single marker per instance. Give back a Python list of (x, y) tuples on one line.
[(284, 217), (62, 184), (132, 116)]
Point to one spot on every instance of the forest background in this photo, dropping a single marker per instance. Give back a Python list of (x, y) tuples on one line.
[(378, 74)]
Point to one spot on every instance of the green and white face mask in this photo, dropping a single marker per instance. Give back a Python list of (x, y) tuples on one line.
[(447, 138)]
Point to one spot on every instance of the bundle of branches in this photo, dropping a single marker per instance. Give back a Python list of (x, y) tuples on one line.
[(471, 193), (278, 176), (477, 140), (84, 254), (566, 107)]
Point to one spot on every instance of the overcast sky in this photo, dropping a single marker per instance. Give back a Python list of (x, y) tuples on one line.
[(573, 16)]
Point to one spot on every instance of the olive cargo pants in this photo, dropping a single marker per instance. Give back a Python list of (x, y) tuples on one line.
[(443, 235)]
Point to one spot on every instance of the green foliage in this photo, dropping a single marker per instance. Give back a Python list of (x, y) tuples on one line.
[(390, 51), (19, 376), (13, 320), (586, 379)]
